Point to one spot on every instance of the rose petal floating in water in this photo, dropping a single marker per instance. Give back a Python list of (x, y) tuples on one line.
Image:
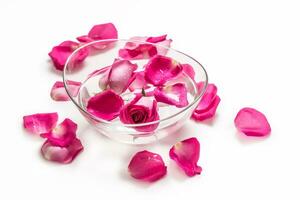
[(173, 94), (252, 122), (186, 155), (105, 105), (160, 69), (40, 122), (147, 166)]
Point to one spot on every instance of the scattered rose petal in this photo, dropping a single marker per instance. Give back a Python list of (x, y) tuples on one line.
[(59, 93), (173, 94), (160, 69), (121, 75), (105, 105), (59, 154), (40, 122), (59, 54), (140, 110), (251, 122), (98, 72), (188, 70), (141, 50), (186, 155), (63, 134), (208, 104), (100, 32), (147, 166)]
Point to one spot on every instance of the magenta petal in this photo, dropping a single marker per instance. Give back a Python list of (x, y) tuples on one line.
[(58, 91), (59, 54), (174, 95), (147, 166), (84, 39), (251, 122), (188, 70), (40, 122), (103, 32), (63, 134), (160, 69), (121, 75), (105, 105), (139, 82), (208, 104), (186, 155), (59, 154)]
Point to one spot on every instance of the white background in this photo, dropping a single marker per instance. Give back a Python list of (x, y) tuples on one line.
[(251, 50)]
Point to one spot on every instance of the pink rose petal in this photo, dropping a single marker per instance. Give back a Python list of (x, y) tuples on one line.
[(140, 110), (186, 155), (160, 69), (147, 166), (121, 75), (188, 70), (208, 104), (174, 95), (63, 134), (105, 105), (251, 122), (59, 54), (59, 154), (139, 82), (58, 91), (140, 50), (40, 122), (100, 32)]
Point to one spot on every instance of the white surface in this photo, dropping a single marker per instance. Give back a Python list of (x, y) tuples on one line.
[(251, 51)]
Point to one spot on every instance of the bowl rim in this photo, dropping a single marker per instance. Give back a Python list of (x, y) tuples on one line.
[(64, 74)]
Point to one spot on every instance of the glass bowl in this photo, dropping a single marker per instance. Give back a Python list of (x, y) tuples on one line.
[(171, 117)]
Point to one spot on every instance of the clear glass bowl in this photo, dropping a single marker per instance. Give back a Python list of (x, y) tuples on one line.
[(171, 117)]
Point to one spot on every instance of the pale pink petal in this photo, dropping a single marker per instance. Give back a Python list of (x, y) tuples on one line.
[(251, 122), (139, 82), (186, 155), (58, 91), (105, 105), (173, 94), (59, 54), (121, 75), (63, 134), (160, 69), (140, 50), (63, 155), (98, 72), (208, 104), (147, 166), (188, 70), (40, 122), (140, 110)]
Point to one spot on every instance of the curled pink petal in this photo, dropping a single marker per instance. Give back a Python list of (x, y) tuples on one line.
[(147, 166), (139, 82), (40, 122), (121, 75), (188, 70), (208, 104), (60, 154), (186, 155), (252, 122), (174, 95), (160, 69), (140, 50), (105, 105), (63, 134), (59, 54), (58, 91), (140, 110)]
